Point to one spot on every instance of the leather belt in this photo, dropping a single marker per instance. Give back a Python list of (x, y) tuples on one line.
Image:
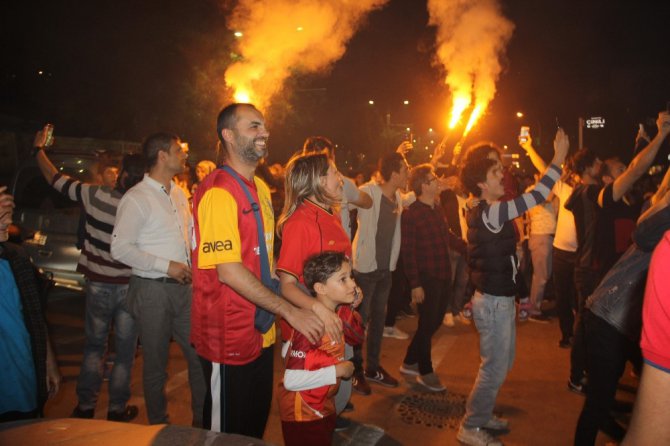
[(162, 279)]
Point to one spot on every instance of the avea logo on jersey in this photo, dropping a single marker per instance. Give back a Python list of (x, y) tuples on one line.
[(217, 246)]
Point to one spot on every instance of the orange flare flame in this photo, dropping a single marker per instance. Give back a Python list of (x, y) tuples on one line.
[(474, 117), (461, 103)]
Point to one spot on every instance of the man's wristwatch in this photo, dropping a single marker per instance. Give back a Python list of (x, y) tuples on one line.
[(33, 153)]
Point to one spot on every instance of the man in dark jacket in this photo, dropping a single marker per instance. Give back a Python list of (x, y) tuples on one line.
[(493, 270)]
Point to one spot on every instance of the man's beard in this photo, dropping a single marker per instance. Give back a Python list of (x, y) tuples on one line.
[(250, 153)]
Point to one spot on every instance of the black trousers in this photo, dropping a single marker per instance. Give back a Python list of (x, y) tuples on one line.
[(242, 405), (586, 281), (431, 312), (607, 352), (399, 296), (563, 263)]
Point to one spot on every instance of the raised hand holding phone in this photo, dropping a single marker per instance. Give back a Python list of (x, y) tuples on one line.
[(44, 138)]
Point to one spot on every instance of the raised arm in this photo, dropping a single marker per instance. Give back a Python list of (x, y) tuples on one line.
[(66, 185), (48, 170), (641, 162), (502, 211), (354, 195), (527, 145)]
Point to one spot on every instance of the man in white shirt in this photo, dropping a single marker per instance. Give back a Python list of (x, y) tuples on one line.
[(376, 248), (564, 249), (152, 236)]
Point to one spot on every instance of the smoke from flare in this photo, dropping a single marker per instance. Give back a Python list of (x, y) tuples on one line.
[(280, 37), (471, 38)]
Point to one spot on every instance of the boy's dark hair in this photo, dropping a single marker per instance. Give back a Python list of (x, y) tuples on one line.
[(474, 172), (319, 267), (104, 165), (583, 159), (389, 163), (158, 142), (134, 165), (419, 176), (480, 151)]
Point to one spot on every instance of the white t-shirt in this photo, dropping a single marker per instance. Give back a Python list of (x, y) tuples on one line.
[(566, 233), (542, 218)]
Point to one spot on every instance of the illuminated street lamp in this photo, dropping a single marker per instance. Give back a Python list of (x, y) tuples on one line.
[(238, 34), (406, 102), (371, 102), (519, 114)]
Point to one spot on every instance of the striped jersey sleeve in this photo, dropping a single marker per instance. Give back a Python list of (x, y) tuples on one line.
[(99, 204), (501, 211)]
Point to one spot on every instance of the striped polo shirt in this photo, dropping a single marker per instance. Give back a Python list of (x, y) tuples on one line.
[(100, 204)]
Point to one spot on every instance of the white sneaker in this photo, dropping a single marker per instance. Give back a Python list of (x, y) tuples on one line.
[(476, 436), (394, 332), (448, 320), (431, 382), (410, 369)]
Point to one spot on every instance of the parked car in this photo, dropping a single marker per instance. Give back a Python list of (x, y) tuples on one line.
[(49, 221)]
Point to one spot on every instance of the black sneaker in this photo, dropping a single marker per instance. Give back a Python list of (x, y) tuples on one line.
[(79, 413), (382, 377), (127, 415), (342, 423)]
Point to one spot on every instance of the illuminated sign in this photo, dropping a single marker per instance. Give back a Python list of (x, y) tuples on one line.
[(595, 123)]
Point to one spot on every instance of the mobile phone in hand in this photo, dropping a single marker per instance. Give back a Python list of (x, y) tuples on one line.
[(524, 133), (49, 135)]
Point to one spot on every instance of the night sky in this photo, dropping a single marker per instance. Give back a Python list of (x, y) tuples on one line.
[(121, 70)]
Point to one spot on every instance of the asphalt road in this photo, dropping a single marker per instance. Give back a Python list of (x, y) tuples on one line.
[(534, 398)]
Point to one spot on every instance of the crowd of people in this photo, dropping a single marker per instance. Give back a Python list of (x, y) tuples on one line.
[(205, 265)]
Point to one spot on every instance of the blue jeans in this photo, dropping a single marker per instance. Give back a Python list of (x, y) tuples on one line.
[(494, 319), (106, 304)]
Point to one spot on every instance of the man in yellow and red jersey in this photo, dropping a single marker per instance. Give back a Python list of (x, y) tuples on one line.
[(227, 288)]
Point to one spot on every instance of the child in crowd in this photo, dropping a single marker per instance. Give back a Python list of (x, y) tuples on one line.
[(313, 371)]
